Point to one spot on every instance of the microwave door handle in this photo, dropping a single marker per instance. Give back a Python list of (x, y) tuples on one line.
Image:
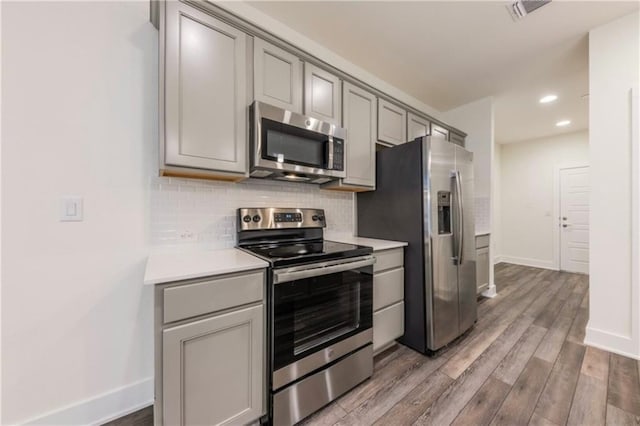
[(330, 153), (318, 270)]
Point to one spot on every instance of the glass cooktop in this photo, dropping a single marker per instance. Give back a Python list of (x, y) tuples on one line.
[(306, 252)]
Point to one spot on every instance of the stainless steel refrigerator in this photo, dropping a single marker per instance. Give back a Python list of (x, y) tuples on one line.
[(424, 196)]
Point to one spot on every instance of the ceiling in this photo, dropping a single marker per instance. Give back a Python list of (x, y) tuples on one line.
[(449, 53)]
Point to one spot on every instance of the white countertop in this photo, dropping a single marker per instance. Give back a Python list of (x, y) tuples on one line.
[(168, 267), (376, 244)]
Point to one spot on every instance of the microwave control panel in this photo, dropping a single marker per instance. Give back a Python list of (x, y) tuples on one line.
[(338, 154)]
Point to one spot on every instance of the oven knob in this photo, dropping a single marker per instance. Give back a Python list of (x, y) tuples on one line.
[(320, 217), (246, 219), (314, 217), (256, 218)]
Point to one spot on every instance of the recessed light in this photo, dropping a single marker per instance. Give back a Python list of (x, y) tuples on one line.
[(563, 123), (548, 98)]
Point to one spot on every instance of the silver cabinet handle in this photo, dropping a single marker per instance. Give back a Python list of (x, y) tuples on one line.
[(318, 269)]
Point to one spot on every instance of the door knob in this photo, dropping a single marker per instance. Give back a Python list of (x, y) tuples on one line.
[(564, 218), (564, 225)]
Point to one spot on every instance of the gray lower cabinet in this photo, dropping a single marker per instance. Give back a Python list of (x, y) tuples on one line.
[(210, 351), (392, 123), (482, 262), (417, 126), (322, 98), (203, 112), (388, 298), (277, 76)]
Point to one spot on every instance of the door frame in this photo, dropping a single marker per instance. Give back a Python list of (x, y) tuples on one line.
[(556, 207)]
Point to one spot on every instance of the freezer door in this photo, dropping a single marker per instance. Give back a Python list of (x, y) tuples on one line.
[(442, 281), (467, 263)]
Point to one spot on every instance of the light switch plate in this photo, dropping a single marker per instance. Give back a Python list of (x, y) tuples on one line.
[(71, 209)]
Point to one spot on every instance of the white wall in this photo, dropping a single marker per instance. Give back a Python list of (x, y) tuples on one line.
[(527, 195), (614, 69), (79, 117), (496, 205), (477, 120)]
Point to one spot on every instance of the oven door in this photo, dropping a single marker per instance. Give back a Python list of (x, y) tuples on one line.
[(321, 312)]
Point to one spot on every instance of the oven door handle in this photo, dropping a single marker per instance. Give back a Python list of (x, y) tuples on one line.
[(318, 269)]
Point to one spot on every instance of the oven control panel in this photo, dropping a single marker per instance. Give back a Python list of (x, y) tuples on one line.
[(252, 219), (287, 217)]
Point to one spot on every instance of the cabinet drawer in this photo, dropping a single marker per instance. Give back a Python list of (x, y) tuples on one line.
[(388, 325), (388, 259), (388, 288), (482, 241), (212, 295)]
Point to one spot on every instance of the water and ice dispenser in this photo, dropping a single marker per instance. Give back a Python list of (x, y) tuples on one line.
[(444, 212)]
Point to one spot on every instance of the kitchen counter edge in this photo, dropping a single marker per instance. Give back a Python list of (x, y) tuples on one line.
[(164, 268), (376, 244)]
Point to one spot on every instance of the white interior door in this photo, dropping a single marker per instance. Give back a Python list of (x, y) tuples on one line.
[(574, 219)]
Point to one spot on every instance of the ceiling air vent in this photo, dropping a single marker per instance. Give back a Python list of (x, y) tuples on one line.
[(522, 8)]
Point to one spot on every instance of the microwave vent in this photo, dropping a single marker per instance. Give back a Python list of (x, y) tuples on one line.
[(321, 180), (261, 173), (522, 8)]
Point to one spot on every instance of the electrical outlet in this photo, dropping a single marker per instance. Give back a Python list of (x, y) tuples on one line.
[(187, 235)]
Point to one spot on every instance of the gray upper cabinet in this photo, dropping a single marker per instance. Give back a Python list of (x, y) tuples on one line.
[(439, 131), (359, 107), (204, 92), (392, 123), (277, 76), (212, 369), (322, 95), (456, 138), (417, 126)]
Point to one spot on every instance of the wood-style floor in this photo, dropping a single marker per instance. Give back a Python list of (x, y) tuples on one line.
[(523, 363)]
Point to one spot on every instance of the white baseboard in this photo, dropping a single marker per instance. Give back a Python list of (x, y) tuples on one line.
[(621, 345), (534, 263), (497, 259), (490, 292), (102, 408)]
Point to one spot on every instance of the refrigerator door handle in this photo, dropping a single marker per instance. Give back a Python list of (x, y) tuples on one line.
[(460, 206)]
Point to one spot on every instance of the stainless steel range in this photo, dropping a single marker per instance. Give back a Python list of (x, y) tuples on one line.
[(320, 299)]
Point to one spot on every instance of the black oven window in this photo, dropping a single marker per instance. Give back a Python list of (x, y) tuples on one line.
[(327, 310), (313, 313), (290, 144)]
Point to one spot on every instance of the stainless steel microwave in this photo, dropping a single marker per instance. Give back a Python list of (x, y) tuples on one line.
[(293, 147)]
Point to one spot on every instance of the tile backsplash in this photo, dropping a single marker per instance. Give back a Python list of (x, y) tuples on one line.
[(199, 212), (482, 209)]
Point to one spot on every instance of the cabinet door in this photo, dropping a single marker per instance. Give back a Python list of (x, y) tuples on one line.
[(439, 131), (277, 76), (360, 121), (321, 94), (456, 138), (212, 369), (392, 123), (205, 91), (482, 268), (417, 126)]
